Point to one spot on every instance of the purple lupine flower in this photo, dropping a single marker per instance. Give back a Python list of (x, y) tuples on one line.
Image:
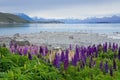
[(54, 62), (62, 56), (119, 53), (113, 47), (116, 46), (66, 63), (88, 53), (20, 51), (41, 50), (109, 45), (74, 60), (89, 50), (46, 50), (114, 64), (85, 50), (29, 56), (84, 59), (59, 57), (106, 67), (96, 53), (78, 54), (111, 71), (57, 61), (101, 65), (43, 53), (76, 49), (105, 47), (94, 48), (67, 54), (25, 51)]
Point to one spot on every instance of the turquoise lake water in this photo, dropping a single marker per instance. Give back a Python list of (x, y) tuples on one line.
[(6, 29)]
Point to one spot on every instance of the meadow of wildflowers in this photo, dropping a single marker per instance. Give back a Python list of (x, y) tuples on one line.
[(94, 62)]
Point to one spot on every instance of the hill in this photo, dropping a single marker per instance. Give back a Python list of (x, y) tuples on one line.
[(11, 18), (24, 16)]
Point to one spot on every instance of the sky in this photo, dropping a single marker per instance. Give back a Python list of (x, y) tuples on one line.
[(62, 8)]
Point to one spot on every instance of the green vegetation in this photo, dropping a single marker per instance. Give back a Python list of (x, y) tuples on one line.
[(16, 67), (101, 62), (10, 18)]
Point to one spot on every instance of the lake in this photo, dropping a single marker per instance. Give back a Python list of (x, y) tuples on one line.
[(6, 29)]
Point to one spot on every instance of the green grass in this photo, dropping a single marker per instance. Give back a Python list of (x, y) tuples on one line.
[(16, 67)]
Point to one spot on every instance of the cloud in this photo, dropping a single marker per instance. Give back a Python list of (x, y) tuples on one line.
[(61, 8)]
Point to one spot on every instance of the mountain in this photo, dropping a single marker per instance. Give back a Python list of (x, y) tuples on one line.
[(70, 21), (24, 16), (37, 19), (11, 18), (112, 19), (43, 20), (65, 21)]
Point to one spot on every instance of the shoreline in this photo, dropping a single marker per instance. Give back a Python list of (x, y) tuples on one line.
[(62, 39)]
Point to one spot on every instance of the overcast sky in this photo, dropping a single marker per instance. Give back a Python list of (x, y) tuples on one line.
[(61, 8)]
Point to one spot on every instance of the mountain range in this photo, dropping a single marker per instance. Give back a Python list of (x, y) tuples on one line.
[(23, 18), (111, 19)]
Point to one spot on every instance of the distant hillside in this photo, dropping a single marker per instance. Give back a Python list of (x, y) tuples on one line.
[(11, 18), (43, 20), (112, 19), (24, 16)]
